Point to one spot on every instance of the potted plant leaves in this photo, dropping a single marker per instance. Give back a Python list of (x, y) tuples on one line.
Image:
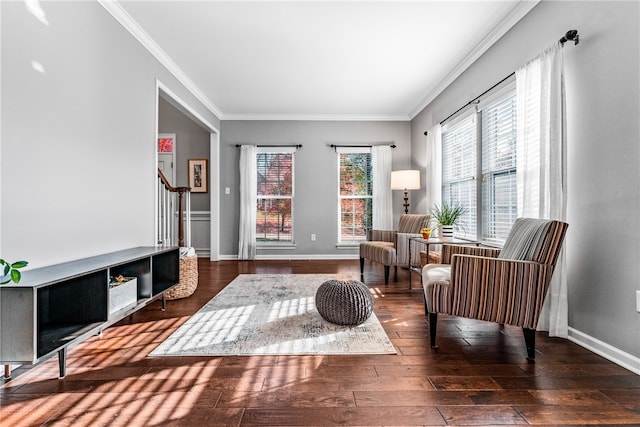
[(10, 271), (448, 217)]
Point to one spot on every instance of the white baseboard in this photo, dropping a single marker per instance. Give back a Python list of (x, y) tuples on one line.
[(617, 356), (294, 257), (203, 252)]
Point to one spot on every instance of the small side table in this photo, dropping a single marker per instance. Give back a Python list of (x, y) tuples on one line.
[(433, 241)]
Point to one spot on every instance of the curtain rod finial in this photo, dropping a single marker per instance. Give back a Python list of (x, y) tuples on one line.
[(570, 35)]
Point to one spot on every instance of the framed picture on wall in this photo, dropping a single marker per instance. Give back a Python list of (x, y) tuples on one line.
[(198, 175)]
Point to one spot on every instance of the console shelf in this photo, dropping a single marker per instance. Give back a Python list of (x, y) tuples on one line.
[(61, 305)]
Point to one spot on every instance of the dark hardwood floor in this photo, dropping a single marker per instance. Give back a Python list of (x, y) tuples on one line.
[(478, 376)]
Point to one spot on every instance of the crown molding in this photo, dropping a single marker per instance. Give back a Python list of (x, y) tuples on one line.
[(121, 15), (317, 117), (117, 11), (516, 14)]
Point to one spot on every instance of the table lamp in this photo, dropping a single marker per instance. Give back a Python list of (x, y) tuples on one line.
[(405, 180)]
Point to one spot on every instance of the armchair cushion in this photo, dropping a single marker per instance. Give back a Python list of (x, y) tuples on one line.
[(382, 252)]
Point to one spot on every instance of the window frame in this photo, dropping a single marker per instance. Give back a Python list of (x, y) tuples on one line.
[(277, 243), (352, 150), (505, 94)]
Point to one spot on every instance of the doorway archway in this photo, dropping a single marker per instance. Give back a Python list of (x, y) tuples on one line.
[(212, 216)]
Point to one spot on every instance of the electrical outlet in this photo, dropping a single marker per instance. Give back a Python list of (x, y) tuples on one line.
[(227, 190), (638, 301), (313, 237)]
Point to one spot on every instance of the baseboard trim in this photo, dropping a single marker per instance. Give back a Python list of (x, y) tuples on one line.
[(609, 352), (203, 252), (267, 257)]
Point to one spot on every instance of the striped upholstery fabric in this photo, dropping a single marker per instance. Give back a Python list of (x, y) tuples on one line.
[(381, 236), (412, 223), (436, 279), (382, 252), (448, 251), (482, 284), (391, 247), (402, 249), (409, 226), (525, 240)]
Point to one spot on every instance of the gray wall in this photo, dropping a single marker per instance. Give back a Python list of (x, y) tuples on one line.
[(316, 172), (192, 142), (78, 170), (603, 104)]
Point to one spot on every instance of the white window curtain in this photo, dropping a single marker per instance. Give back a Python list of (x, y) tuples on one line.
[(541, 164), (434, 167), (248, 203), (381, 191)]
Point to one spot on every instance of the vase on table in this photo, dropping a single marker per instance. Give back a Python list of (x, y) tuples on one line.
[(446, 232)]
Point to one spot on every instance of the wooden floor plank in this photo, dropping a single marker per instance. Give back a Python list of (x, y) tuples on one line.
[(478, 376)]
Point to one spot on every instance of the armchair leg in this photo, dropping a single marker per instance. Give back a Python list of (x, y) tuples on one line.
[(433, 323), (361, 266), (395, 272), (386, 274), (530, 342)]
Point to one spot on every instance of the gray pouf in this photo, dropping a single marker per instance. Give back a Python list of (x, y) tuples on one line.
[(344, 302)]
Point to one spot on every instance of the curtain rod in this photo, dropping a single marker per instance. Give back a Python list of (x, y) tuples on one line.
[(570, 35), (334, 146), (284, 145), (475, 100)]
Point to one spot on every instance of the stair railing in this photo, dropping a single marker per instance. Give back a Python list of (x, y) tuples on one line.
[(168, 197)]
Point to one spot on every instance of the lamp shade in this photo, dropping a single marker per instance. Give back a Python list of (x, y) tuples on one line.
[(405, 180)]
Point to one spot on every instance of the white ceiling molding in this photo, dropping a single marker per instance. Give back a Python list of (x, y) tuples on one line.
[(317, 117), (516, 14), (114, 8)]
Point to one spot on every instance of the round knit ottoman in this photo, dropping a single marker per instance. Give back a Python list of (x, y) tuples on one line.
[(344, 302)]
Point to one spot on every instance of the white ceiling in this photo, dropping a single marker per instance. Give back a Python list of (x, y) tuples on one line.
[(378, 60)]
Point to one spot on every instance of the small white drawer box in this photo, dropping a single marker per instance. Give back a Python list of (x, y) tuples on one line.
[(123, 295)]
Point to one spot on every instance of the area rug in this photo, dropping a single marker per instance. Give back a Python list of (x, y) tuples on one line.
[(271, 314)]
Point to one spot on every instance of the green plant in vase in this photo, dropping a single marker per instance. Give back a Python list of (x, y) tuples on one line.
[(10, 271), (448, 218)]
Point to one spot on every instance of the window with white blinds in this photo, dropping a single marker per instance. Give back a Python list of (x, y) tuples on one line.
[(274, 216), (482, 143), (459, 169), (355, 195), (499, 196)]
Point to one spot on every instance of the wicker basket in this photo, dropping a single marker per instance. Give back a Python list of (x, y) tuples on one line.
[(434, 258), (188, 279)]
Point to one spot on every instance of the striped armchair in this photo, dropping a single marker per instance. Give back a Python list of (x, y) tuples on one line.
[(391, 247), (505, 286)]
